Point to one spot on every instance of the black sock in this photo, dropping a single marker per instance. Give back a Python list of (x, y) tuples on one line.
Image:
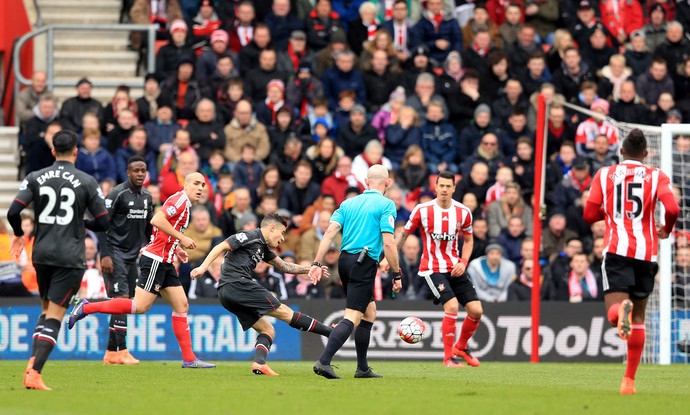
[(39, 328), (112, 335), (336, 340), (121, 332), (304, 322), (46, 342), (362, 335), (261, 348)]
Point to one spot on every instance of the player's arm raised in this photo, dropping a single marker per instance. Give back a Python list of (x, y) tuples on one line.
[(161, 222), (217, 250), (316, 270)]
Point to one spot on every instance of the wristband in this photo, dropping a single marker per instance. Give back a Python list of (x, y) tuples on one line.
[(397, 275), (315, 264), (464, 262)]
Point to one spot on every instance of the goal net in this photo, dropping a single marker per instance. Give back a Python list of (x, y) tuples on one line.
[(668, 310)]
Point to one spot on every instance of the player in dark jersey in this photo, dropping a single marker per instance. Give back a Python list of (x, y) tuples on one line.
[(60, 194), (240, 294), (158, 274), (625, 195), (130, 209)]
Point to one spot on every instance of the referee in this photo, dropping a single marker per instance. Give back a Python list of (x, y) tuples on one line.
[(367, 222)]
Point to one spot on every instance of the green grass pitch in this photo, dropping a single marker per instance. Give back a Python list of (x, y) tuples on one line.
[(81, 387)]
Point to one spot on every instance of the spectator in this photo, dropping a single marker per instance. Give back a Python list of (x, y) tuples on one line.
[(492, 274), (271, 280), (294, 54), (29, 97), (183, 90), (344, 76), (471, 136), (342, 178), (477, 54), (299, 193), (170, 55), (521, 288), (267, 110), (438, 140), (243, 129), (424, 93), (437, 31), (488, 153), (400, 30), (247, 171), (514, 17), (322, 24), (92, 285), (395, 194), (303, 90), (94, 160), (675, 48), (480, 21), (207, 62), (560, 164), (172, 181), (480, 236), (652, 83), (592, 127), (562, 40), (504, 176), (477, 182), (230, 219), (510, 205), (362, 28), (283, 128), (585, 24), (579, 284), (287, 160), (147, 105), (270, 183), (402, 135), (282, 23), (325, 203), (205, 132), (655, 30), (249, 54), (38, 152), (470, 200), (460, 90), (414, 287), (215, 167), (544, 16), (613, 76), (522, 164), (535, 75), (227, 98), (388, 114), (511, 239), (323, 157), (117, 137), (121, 101), (419, 64), (136, 146), (413, 173), (511, 100), (493, 80), (597, 52), (559, 130), (310, 239), (74, 108), (256, 80), (602, 155), (622, 17), (520, 51), (372, 154), (223, 73), (555, 235), (204, 234), (241, 31), (681, 277), (144, 12), (207, 284), (570, 188), (379, 80), (161, 130), (44, 113), (355, 135), (638, 57), (568, 78)]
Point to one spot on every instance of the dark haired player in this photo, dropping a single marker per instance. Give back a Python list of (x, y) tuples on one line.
[(158, 274), (625, 195), (241, 295), (443, 221), (61, 194), (130, 209)]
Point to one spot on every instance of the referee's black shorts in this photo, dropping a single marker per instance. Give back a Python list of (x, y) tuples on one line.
[(358, 280)]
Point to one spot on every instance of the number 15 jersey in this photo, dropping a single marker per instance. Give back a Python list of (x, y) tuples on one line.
[(629, 192), (61, 194)]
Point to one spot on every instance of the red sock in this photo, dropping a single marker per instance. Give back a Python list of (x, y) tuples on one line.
[(469, 326), (448, 332), (184, 337), (635, 347), (612, 314), (114, 306)]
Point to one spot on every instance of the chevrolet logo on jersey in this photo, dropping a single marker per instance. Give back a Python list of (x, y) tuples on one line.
[(443, 236)]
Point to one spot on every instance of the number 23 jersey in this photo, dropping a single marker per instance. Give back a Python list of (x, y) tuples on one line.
[(628, 193), (61, 194)]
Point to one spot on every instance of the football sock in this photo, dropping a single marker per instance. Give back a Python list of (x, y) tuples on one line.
[(336, 340), (261, 348), (37, 330), (114, 306), (612, 314), (121, 331), (184, 337), (304, 322), (46, 342), (448, 333), (469, 326), (635, 347), (362, 336)]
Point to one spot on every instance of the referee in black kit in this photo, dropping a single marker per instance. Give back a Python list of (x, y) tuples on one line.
[(368, 223)]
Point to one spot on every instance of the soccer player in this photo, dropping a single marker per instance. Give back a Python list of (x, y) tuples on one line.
[(61, 194), (625, 195), (368, 223), (130, 208), (443, 221), (241, 295), (158, 274)]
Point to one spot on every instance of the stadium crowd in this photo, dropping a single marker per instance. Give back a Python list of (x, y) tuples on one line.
[(283, 105)]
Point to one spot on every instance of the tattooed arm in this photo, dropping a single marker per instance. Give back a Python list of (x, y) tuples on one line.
[(288, 267)]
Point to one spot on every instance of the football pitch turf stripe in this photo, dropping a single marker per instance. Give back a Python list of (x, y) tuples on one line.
[(81, 387)]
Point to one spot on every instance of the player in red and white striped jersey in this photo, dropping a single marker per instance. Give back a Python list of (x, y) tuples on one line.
[(443, 221), (625, 195), (157, 272)]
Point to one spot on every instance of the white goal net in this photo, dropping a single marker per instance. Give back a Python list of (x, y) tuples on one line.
[(668, 310)]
